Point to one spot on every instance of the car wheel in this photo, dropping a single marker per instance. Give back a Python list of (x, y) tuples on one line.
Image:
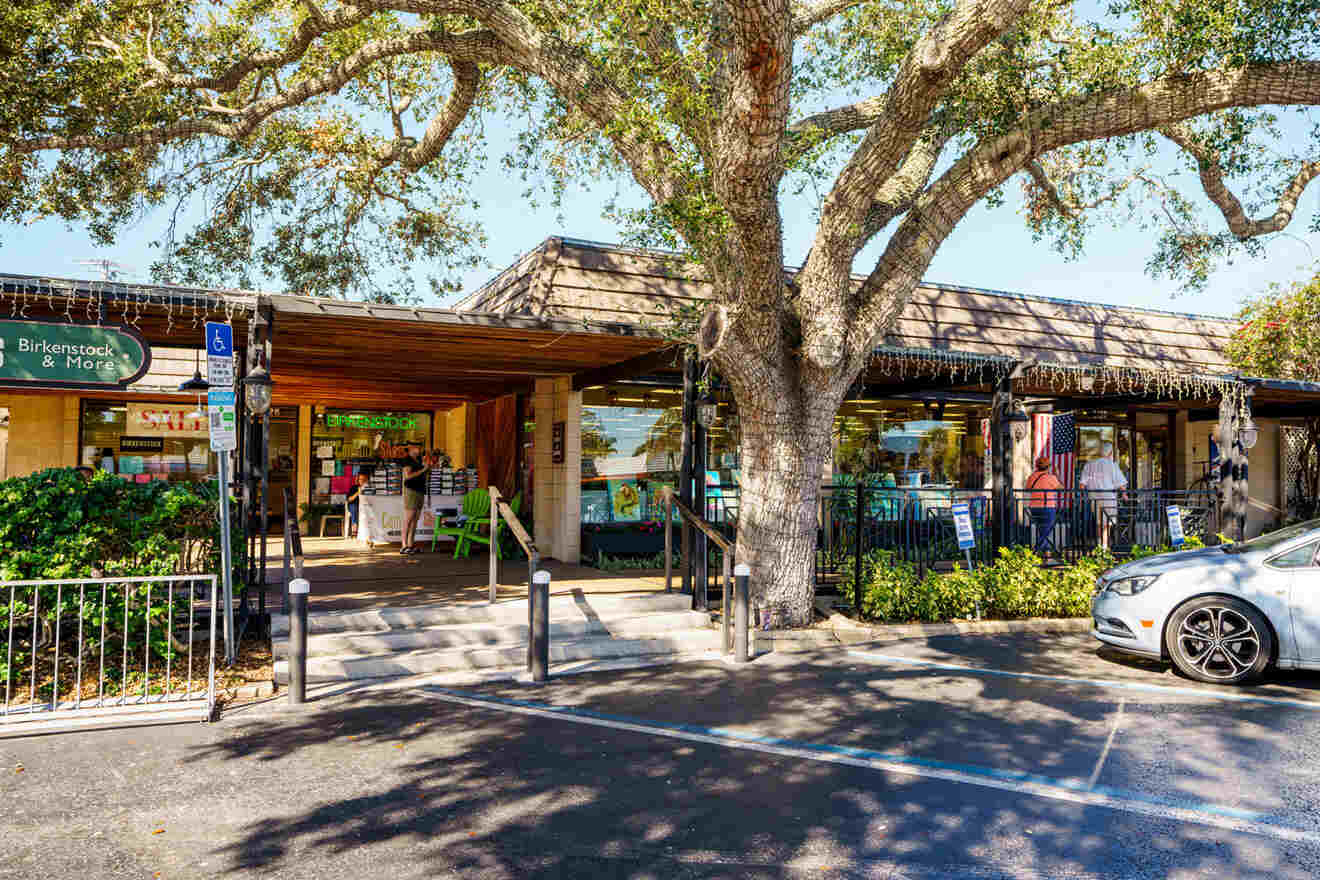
[(1219, 639)]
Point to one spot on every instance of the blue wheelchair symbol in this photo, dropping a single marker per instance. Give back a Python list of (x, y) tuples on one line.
[(219, 339)]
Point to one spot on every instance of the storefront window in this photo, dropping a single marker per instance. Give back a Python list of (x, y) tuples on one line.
[(348, 442), (147, 441), (1090, 445), (908, 444), (631, 447)]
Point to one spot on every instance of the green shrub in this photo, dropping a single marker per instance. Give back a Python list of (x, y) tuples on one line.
[(1015, 585), (1140, 551), (56, 525)]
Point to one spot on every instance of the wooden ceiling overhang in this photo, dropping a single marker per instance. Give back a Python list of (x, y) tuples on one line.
[(351, 354)]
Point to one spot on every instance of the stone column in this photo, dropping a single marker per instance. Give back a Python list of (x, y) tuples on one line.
[(558, 486)]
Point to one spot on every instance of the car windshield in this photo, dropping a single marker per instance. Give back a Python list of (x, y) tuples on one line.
[(1270, 540)]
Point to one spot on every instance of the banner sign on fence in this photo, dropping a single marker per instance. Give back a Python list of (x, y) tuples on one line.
[(1176, 537), (962, 524)]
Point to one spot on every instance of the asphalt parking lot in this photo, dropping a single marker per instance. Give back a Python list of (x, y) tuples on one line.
[(986, 756)]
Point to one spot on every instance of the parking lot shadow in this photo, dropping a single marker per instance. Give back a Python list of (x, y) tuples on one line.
[(439, 788)]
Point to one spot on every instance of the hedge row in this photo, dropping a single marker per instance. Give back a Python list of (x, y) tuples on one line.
[(1015, 585)]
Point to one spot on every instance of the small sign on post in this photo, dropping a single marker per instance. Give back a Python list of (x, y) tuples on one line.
[(1176, 536), (219, 355), (962, 527)]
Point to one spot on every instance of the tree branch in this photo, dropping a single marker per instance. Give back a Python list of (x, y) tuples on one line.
[(1211, 171), (898, 193), (938, 57), (808, 15), (659, 43), (470, 46), (932, 64), (315, 25), (467, 79), (848, 117), (1150, 106)]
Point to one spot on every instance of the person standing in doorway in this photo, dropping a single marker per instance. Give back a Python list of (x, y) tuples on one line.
[(414, 494), (1044, 488), (1103, 477), (355, 503)]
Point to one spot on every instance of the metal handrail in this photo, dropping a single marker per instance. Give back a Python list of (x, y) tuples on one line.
[(500, 508), (686, 513)]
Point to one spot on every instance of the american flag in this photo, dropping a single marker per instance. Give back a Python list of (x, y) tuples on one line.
[(1056, 436)]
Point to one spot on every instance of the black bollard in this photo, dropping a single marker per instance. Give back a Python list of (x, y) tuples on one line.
[(298, 590), (538, 658), (741, 574)]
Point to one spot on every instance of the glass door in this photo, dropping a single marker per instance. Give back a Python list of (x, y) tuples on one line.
[(283, 459), (1152, 460)]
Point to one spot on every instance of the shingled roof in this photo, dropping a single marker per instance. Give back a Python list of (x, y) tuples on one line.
[(568, 278)]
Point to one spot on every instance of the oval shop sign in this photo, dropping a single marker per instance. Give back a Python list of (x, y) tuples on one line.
[(45, 354)]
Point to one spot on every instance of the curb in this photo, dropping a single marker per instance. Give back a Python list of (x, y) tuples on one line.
[(254, 691), (839, 630)]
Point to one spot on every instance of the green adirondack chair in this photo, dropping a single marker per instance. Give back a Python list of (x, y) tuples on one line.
[(476, 507), (476, 537)]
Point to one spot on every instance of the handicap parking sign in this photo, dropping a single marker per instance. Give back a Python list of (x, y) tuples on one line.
[(219, 339)]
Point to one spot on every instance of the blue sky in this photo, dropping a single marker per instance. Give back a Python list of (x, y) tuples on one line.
[(992, 248)]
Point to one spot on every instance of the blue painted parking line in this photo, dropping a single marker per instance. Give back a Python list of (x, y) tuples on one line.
[(1092, 682), (1018, 782)]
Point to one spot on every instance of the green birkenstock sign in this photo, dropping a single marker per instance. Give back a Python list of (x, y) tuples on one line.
[(45, 354)]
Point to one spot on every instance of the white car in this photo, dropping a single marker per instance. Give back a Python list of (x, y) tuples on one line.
[(1221, 614)]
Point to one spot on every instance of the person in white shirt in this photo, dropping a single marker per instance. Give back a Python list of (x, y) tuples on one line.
[(1104, 479)]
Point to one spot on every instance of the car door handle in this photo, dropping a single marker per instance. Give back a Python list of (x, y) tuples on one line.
[(1280, 592)]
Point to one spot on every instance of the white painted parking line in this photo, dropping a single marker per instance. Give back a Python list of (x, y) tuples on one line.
[(1109, 744), (1030, 784), (1093, 682)]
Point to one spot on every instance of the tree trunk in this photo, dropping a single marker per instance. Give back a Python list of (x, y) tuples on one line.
[(785, 440)]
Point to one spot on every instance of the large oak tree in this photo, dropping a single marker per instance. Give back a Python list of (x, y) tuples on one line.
[(326, 135)]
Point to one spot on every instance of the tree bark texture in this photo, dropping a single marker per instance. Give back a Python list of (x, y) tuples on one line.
[(786, 422)]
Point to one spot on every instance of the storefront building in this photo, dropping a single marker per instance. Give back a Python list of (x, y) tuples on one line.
[(552, 383)]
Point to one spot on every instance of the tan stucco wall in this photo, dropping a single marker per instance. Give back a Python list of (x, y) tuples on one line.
[(558, 487), (1264, 502), (1264, 489), (43, 432), (453, 439)]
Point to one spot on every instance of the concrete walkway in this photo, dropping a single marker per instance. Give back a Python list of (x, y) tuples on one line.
[(345, 575)]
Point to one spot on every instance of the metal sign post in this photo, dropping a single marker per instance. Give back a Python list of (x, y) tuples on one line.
[(219, 342), (962, 526)]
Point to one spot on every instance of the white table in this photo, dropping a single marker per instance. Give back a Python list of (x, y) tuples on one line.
[(380, 518)]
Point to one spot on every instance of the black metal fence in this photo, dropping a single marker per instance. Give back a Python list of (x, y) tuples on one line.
[(1067, 524), (916, 524)]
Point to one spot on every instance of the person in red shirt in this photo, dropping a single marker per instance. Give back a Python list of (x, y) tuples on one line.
[(1043, 501)]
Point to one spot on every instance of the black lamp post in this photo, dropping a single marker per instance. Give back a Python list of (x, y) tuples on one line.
[(256, 390)]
